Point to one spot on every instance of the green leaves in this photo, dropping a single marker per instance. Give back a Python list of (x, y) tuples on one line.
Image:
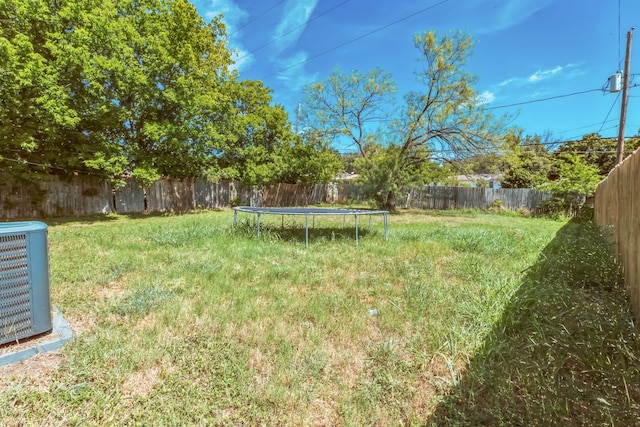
[(110, 87), (575, 177), (528, 162), (598, 151), (347, 105)]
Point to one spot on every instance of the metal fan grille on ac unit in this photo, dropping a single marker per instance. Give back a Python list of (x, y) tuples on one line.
[(15, 291)]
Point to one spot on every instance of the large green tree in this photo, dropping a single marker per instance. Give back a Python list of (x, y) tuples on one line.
[(441, 119), (149, 84), (35, 104), (139, 86), (110, 85)]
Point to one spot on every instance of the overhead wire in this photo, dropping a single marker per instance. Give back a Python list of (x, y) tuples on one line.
[(293, 29), (610, 109), (543, 99), (256, 18), (384, 27), (586, 126)]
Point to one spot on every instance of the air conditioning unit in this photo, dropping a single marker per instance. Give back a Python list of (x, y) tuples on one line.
[(25, 305)]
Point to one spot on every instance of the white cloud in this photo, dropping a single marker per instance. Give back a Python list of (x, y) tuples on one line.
[(509, 13), (544, 74), (233, 15), (241, 59), (507, 82), (294, 74), (293, 23), (538, 84), (486, 97), (560, 71)]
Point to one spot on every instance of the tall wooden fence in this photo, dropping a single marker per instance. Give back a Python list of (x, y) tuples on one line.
[(80, 196), (617, 211), (443, 198), (476, 198), (55, 196)]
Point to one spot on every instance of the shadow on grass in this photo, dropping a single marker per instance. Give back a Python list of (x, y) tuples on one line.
[(96, 218), (565, 352), (297, 233)]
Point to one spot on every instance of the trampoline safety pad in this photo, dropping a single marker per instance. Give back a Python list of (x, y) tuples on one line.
[(311, 212)]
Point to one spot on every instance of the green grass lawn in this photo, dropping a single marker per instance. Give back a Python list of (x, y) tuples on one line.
[(463, 318)]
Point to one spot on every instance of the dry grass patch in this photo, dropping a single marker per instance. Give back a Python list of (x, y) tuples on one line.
[(111, 291), (142, 381), (34, 374)]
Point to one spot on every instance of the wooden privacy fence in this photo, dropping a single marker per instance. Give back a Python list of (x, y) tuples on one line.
[(477, 198), (56, 196), (442, 198), (293, 194), (617, 211)]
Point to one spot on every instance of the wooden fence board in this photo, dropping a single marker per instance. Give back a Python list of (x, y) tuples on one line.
[(170, 195), (16, 202), (318, 194), (81, 196), (443, 198), (130, 198), (439, 198), (55, 196), (617, 212), (288, 195), (209, 195)]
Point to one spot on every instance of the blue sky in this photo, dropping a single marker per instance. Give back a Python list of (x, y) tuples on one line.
[(525, 50)]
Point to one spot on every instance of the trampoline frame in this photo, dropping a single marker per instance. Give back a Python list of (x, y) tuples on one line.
[(313, 212)]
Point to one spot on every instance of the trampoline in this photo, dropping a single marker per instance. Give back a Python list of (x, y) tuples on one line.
[(311, 212)]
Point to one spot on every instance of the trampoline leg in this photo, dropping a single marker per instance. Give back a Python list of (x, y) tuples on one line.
[(386, 228), (306, 231), (356, 230), (344, 221), (235, 218), (258, 226), (369, 222), (282, 226)]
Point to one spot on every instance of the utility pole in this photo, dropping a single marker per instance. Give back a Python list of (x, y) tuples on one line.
[(623, 108)]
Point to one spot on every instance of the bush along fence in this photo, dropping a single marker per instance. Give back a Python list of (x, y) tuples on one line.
[(617, 212), (80, 196)]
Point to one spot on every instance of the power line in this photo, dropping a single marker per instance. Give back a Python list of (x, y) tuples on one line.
[(587, 126), (357, 38), (257, 17), (610, 109), (294, 29), (544, 99), (574, 138)]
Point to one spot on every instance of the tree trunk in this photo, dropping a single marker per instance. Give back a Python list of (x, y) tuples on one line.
[(388, 202)]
